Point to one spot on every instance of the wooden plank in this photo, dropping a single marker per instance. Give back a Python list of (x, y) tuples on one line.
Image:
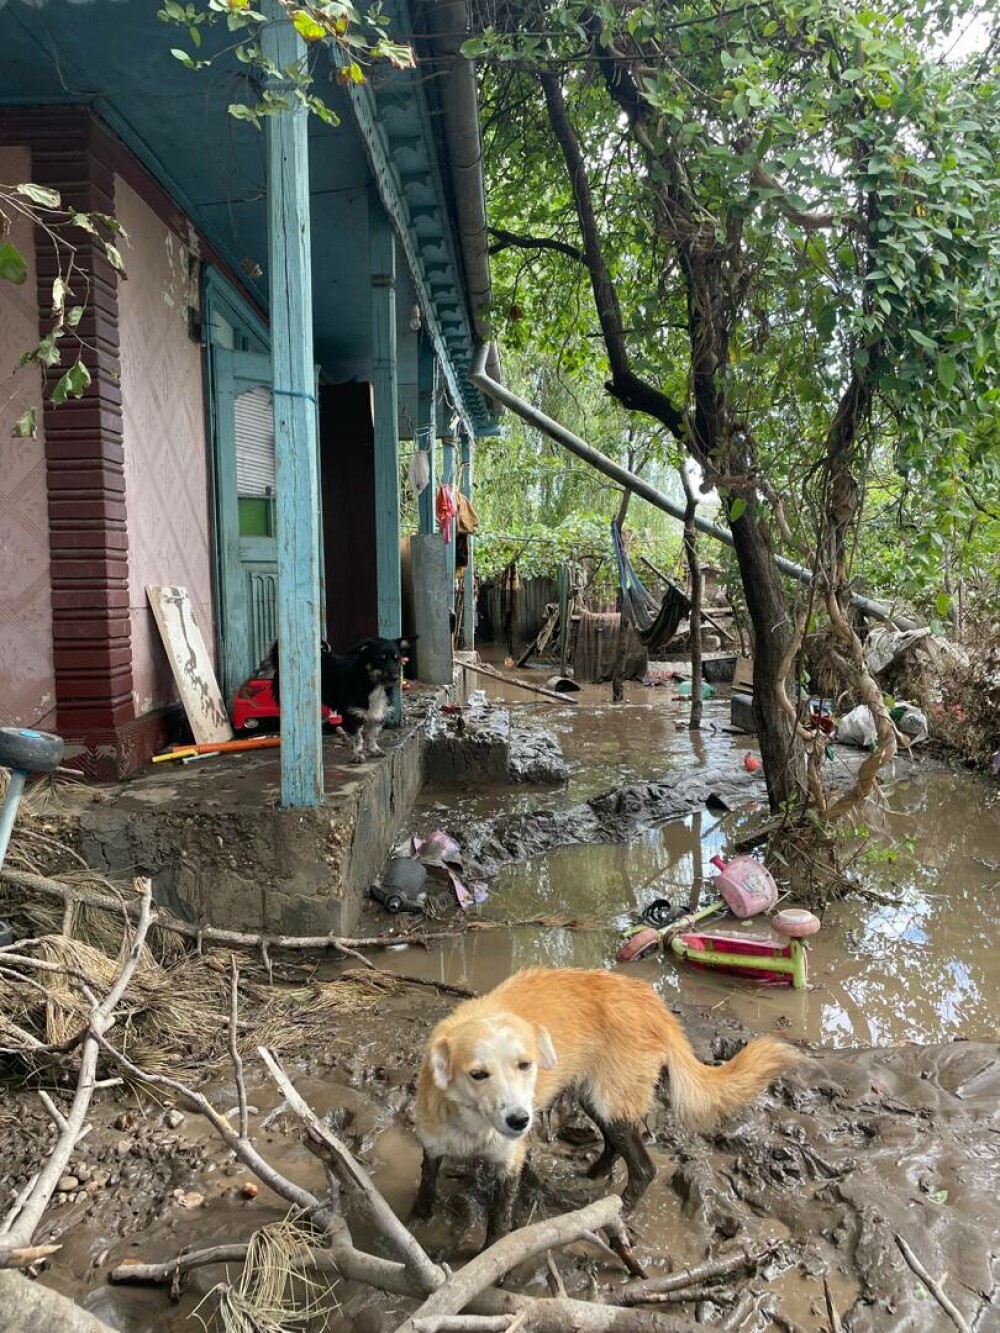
[(297, 507), (427, 395), (743, 676), (190, 664), (469, 600)]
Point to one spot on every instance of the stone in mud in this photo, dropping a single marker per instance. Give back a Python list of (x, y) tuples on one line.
[(173, 1118), (536, 756), (67, 1184)]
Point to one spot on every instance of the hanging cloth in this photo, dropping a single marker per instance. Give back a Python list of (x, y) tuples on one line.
[(468, 519), (445, 508)]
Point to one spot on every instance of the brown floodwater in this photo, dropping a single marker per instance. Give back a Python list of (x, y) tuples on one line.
[(923, 966)]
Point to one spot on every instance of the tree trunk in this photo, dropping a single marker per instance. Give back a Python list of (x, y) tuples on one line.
[(694, 623), (784, 766)]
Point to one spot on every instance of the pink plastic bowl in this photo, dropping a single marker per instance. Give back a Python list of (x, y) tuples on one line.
[(795, 922)]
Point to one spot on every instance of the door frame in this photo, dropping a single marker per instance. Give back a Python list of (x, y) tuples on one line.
[(231, 325)]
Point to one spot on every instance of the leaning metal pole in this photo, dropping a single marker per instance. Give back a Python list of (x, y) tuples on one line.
[(555, 431)]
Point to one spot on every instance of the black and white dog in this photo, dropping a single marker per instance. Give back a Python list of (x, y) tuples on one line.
[(358, 685)]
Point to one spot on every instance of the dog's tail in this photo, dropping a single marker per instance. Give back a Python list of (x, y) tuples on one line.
[(702, 1095)]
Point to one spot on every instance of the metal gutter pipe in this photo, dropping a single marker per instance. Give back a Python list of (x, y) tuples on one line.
[(534, 417), (447, 27)]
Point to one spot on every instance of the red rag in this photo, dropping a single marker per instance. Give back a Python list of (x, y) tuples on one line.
[(445, 508)]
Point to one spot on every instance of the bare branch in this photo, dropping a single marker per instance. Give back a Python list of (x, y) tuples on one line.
[(507, 1253), (327, 1145), (507, 240)]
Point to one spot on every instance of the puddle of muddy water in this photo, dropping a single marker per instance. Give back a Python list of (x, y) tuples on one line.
[(922, 968)]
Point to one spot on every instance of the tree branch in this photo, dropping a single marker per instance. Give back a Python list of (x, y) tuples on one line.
[(628, 388), (507, 1253), (507, 240)]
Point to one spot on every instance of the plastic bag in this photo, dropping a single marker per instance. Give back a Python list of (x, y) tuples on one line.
[(418, 474), (858, 728), (910, 720)]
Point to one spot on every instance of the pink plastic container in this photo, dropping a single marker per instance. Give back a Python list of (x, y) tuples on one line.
[(745, 886)]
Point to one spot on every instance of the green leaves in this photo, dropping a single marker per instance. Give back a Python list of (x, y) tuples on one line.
[(26, 426), (13, 265), (947, 371), (40, 194), (737, 509), (307, 26), (72, 385)]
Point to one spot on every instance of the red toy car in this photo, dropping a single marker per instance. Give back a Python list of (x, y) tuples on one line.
[(255, 707)]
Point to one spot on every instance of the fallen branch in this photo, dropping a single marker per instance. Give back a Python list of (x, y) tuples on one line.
[(740, 1312), (467, 1323), (559, 1315), (28, 1307), (426, 1274), (831, 1310), (933, 1286), (634, 1293), (131, 1271), (18, 1230), (21, 879), (484, 1270), (342, 946)]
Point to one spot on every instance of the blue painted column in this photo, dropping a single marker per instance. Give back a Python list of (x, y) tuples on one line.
[(448, 479), (295, 445), (427, 393), (469, 602), (382, 253)]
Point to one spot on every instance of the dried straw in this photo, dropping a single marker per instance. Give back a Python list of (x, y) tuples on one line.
[(272, 1294)]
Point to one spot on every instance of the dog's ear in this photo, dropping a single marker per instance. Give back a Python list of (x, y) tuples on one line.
[(439, 1058), (546, 1051)]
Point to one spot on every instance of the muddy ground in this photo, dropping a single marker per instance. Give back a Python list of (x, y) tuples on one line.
[(856, 1147), (846, 1153)]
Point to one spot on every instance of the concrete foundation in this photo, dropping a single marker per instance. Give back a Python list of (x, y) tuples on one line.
[(220, 851)]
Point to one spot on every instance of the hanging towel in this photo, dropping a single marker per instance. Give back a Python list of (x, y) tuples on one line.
[(445, 509)]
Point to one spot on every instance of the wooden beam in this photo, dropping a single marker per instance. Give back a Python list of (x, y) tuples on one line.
[(294, 385), (469, 601), (427, 394), (382, 259)]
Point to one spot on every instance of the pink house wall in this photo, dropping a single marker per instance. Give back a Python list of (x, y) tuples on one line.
[(166, 456), (27, 679)]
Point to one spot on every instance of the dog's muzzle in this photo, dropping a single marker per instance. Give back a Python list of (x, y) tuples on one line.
[(516, 1123)]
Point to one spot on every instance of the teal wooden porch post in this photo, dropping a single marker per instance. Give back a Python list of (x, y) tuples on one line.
[(382, 252), (427, 392), (448, 479), (295, 447), (469, 600)]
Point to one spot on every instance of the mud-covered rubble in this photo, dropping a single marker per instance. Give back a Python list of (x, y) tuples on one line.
[(478, 743), (611, 816)]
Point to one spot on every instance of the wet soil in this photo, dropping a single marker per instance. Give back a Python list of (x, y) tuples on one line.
[(855, 1147)]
